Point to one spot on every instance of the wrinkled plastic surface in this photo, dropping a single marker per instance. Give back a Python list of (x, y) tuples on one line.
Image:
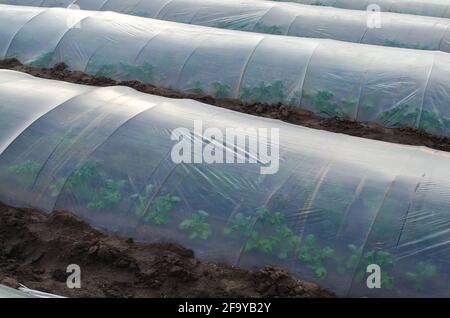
[(407, 31), (8, 292), (432, 8), (336, 204), (391, 86)]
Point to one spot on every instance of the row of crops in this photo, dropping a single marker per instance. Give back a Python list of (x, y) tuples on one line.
[(417, 32), (391, 86), (337, 204)]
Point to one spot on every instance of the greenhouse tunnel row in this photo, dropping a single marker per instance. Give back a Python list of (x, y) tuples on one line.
[(416, 32), (390, 86), (433, 8), (336, 204)]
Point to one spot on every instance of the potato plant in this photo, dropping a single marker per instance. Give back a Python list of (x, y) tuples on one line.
[(92, 187), (265, 233), (264, 92), (24, 173), (422, 274), (356, 263), (313, 256), (157, 211), (196, 225)]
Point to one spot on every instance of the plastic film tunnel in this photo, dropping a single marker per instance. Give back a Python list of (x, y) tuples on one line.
[(391, 86), (336, 204), (432, 8), (281, 18)]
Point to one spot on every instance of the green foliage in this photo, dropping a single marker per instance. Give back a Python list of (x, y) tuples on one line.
[(360, 263), (423, 273), (399, 115), (25, 173), (56, 187), (107, 70), (396, 43), (348, 106), (221, 90), (196, 87), (295, 99), (233, 25), (197, 226), (268, 93), (91, 186), (324, 102), (271, 29), (351, 262), (313, 256), (157, 212), (432, 121), (143, 73), (403, 115), (240, 226), (44, 60), (269, 235)]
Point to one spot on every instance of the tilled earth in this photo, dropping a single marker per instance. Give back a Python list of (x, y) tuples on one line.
[(36, 248), (403, 135)]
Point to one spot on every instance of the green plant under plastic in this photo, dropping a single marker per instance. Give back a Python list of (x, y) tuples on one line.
[(196, 226), (325, 104), (233, 25), (158, 211), (221, 90), (44, 60), (240, 226), (403, 115), (270, 29), (314, 257), (143, 73), (196, 87), (357, 261), (265, 232), (266, 93), (92, 187), (395, 43), (25, 173), (423, 273)]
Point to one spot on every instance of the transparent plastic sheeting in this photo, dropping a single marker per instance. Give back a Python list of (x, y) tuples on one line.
[(391, 86), (336, 204), (8, 292), (432, 8), (395, 30)]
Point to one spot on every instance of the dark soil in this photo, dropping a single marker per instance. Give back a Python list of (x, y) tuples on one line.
[(36, 248), (403, 135)]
